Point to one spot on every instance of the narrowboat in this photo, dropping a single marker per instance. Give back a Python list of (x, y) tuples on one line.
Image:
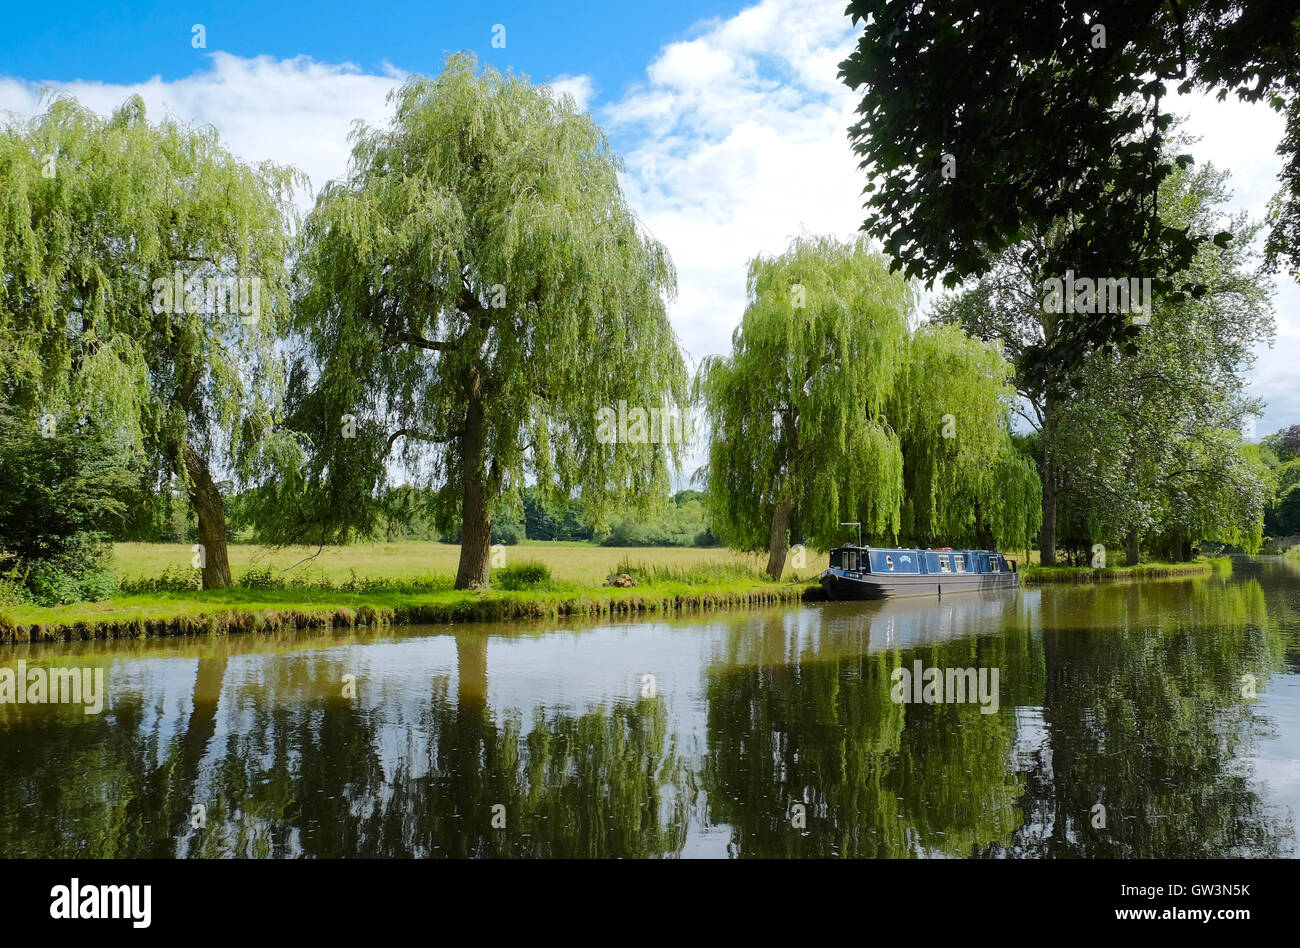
[(865, 572)]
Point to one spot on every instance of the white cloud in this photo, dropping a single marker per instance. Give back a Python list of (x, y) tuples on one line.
[(736, 146), (294, 111), (580, 87)]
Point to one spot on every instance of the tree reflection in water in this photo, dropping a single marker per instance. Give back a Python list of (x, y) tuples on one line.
[(1128, 696)]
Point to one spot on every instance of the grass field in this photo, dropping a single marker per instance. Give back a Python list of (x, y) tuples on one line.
[(671, 578), (581, 563)]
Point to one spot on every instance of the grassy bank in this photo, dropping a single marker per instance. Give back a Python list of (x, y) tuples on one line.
[(411, 583), (232, 611), (1034, 574), (408, 583)]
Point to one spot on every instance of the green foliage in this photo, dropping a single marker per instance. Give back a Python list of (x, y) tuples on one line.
[(523, 576), (797, 409), (55, 491), (172, 579), (80, 572), (473, 292), (1285, 444), (1144, 440), (264, 578), (1288, 511), (553, 519), (260, 577), (132, 202), (683, 523), (1046, 128), (90, 323), (60, 497), (964, 480)]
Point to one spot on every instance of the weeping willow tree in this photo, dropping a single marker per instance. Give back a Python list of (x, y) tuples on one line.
[(142, 285), (799, 438), (964, 480), (478, 297)]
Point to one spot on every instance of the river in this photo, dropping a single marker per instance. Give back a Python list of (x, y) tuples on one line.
[(1148, 719)]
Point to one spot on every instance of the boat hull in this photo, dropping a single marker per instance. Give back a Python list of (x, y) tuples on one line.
[(867, 586)]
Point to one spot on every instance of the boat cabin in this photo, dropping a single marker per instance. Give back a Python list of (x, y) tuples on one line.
[(865, 559)]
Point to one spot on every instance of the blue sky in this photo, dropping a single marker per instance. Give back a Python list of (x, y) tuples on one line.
[(728, 114), (130, 42)]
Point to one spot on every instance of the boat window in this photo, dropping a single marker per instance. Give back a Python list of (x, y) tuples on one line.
[(889, 562), (943, 565), (995, 563), (851, 560), (960, 562)]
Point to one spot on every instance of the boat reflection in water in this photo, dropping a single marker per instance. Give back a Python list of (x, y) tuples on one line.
[(906, 623)]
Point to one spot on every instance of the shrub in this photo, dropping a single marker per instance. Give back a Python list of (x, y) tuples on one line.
[(260, 577), (702, 574), (50, 584), (79, 572), (11, 593), (173, 579), (523, 576)]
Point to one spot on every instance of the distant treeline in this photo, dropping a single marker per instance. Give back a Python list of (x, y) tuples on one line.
[(408, 516)]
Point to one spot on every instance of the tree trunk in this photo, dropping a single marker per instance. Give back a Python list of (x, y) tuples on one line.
[(983, 534), (776, 547), (1132, 549), (476, 526), (206, 500), (1047, 534)]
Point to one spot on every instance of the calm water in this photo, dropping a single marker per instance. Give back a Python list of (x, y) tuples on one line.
[(1124, 696)]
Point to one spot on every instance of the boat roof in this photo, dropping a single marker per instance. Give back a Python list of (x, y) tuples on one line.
[(911, 549)]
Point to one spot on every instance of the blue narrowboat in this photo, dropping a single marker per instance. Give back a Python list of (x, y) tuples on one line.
[(865, 572)]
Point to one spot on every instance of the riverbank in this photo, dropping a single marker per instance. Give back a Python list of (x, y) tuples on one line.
[(233, 611), (320, 598), (1032, 575)]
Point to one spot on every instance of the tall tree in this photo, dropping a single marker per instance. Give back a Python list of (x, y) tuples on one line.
[(799, 438), (985, 121), (963, 478), (1143, 441), (142, 283), (478, 296)]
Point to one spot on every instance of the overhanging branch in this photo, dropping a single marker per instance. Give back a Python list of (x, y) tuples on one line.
[(418, 435)]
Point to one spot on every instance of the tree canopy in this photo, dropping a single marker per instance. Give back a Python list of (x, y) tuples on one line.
[(799, 438), (983, 122), (473, 293), (1144, 443), (964, 481), (142, 283)]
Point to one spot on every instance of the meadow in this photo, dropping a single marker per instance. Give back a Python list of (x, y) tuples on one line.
[(583, 564)]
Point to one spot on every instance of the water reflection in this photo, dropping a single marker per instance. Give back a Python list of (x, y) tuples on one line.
[(691, 737)]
